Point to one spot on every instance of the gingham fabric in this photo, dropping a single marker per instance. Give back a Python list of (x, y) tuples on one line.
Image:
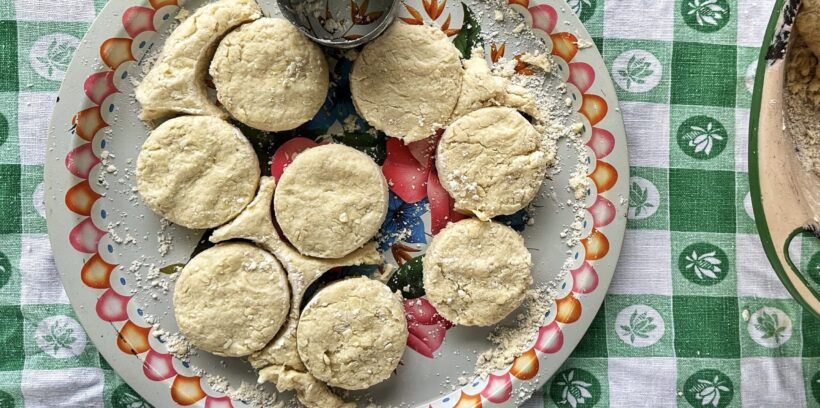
[(695, 315)]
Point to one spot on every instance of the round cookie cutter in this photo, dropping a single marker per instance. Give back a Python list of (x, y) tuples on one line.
[(340, 23)]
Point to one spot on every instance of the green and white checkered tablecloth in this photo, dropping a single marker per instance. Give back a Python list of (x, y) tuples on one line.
[(695, 315)]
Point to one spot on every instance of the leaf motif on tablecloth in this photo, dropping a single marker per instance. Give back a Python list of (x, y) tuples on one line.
[(639, 198), (770, 327), (584, 9), (637, 71), (703, 263), (644, 198), (706, 15), (709, 388), (702, 137), (639, 326), (125, 397), (575, 388), (60, 336), (50, 55)]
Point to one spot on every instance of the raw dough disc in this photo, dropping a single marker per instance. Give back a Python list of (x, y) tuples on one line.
[(352, 334), (492, 162), (330, 201), (176, 82), (407, 82), (269, 76), (476, 272), (197, 171), (231, 299)]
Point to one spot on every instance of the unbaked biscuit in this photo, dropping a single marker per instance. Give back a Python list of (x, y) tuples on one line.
[(352, 334), (197, 171), (406, 83), (231, 299), (330, 201), (269, 76), (492, 162), (476, 273), (176, 82)]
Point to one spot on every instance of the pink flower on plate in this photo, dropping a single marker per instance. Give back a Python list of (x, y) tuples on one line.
[(411, 175), (286, 153), (427, 328)]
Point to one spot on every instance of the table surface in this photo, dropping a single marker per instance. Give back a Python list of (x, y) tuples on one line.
[(695, 315)]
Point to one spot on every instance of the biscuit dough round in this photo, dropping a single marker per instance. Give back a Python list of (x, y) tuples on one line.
[(492, 162), (352, 334), (330, 201), (269, 76), (231, 299), (476, 272), (197, 171), (407, 82), (175, 84)]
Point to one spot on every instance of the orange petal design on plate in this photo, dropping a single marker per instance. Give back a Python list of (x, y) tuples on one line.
[(522, 3), (80, 198), (596, 245), (133, 339), (468, 401), (186, 390), (497, 52), (525, 366), (604, 176), (88, 122), (115, 51), (594, 108), (96, 272), (417, 18), (158, 4), (564, 45), (569, 309)]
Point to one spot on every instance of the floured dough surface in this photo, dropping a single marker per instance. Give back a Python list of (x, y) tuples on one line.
[(492, 162), (476, 273), (176, 82), (269, 76), (279, 361), (197, 171), (406, 83), (231, 299), (482, 89), (352, 334), (331, 200)]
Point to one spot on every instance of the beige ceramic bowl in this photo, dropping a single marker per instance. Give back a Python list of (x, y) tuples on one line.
[(785, 197)]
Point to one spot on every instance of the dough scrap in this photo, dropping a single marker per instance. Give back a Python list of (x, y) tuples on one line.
[(481, 89), (269, 76), (406, 83), (197, 171), (279, 361), (176, 82), (231, 299), (476, 273), (492, 162), (352, 334), (331, 200)]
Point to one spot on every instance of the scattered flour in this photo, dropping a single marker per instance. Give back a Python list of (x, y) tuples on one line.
[(510, 342)]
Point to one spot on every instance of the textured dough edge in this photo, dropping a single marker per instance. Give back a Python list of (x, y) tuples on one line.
[(175, 84)]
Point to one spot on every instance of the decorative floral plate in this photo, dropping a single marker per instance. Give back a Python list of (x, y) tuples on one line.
[(105, 241)]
